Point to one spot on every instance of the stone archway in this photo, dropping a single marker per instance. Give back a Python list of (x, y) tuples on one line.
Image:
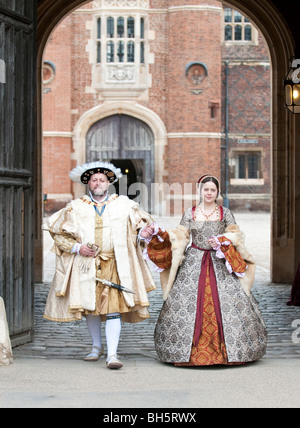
[(128, 143), (138, 112), (285, 129)]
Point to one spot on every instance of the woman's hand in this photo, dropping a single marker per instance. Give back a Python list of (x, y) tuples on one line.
[(147, 232)]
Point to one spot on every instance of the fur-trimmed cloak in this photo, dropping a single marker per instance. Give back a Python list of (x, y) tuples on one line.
[(73, 289), (180, 238)]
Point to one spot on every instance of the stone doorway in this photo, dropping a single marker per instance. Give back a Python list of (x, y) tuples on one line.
[(128, 143)]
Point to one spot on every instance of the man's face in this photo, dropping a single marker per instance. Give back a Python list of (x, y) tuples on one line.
[(98, 185)]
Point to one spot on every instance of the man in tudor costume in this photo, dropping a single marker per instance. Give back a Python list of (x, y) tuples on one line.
[(97, 237)]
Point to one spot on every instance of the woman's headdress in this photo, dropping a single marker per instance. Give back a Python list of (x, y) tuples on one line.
[(203, 177), (208, 176)]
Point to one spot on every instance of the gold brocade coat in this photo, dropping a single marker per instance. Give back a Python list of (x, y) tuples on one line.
[(74, 292)]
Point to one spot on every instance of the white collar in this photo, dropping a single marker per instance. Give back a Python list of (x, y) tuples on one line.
[(102, 200)]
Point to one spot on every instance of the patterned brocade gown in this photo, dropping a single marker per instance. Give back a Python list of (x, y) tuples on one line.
[(233, 330)]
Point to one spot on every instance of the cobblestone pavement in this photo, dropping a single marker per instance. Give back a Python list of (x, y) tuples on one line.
[(72, 340)]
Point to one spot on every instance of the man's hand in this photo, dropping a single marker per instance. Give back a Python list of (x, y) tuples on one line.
[(86, 251), (147, 232)]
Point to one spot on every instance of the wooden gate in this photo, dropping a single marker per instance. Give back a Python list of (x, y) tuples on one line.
[(124, 137), (17, 149)]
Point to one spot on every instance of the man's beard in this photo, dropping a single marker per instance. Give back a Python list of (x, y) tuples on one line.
[(98, 192)]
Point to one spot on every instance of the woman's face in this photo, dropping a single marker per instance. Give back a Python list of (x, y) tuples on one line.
[(209, 192)]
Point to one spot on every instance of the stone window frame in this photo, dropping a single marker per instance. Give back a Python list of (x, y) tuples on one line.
[(123, 50), (234, 180), (244, 23)]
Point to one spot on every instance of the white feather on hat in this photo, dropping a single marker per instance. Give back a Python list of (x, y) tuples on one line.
[(82, 173)]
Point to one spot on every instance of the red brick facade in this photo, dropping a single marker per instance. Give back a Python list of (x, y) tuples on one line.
[(180, 40)]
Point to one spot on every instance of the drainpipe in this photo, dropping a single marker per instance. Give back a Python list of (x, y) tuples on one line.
[(226, 147)]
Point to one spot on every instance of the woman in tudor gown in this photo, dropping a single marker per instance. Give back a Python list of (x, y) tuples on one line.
[(209, 315)]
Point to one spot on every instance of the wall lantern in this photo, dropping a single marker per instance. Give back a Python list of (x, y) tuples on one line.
[(292, 87)]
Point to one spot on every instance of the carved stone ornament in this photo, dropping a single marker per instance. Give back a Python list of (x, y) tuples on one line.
[(196, 72), (118, 73), (132, 4)]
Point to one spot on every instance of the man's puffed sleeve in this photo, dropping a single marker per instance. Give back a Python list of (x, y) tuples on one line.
[(139, 218), (63, 228)]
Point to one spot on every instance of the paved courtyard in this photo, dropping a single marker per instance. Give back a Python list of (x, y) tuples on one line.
[(72, 341)]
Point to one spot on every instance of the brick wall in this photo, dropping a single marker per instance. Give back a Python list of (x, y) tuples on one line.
[(58, 93), (193, 37), (178, 38), (249, 96), (57, 96)]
